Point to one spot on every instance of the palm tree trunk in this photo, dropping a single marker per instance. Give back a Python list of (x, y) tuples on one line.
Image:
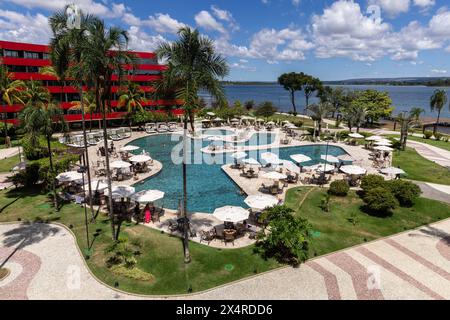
[(50, 157), (90, 122), (437, 122), (187, 256), (83, 124), (293, 101)]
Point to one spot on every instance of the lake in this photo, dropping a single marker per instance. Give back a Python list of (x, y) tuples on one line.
[(403, 97)]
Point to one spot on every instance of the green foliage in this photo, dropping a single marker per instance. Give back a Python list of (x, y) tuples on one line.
[(339, 188), (372, 181), (438, 136), (325, 202), (142, 116), (27, 177), (427, 134), (406, 192), (377, 104), (380, 200), (288, 239), (266, 109)]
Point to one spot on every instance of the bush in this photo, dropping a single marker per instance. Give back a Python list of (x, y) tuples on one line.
[(288, 239), (427, 134), (406, 192), (438, 136), (380, 200), (27, 177), (372, 181), (339, 188)]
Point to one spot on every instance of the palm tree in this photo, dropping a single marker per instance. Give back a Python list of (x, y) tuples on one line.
[(102, 55), (406, 120), (66, 50), (38, 117), (131, 97), (194, 65), (9, 93), (89, 105), (437, 102), (319, 112)]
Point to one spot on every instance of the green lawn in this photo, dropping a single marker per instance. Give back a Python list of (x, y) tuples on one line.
[(440, 144), (336, 232), (419, 168), (162, 254), (7, 164)]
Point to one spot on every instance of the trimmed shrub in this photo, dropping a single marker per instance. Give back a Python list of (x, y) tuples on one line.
[(380, 200), (427, 134), (339, 188), (406, 192), (372, 181), (438, 136)]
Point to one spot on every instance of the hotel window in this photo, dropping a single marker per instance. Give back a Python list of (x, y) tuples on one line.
[(32, 69), (148, 61), (12, 53), (17, 68), (31, 55), (46, 56)]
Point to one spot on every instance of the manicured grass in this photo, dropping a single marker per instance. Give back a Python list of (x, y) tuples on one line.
[(419, 168), (162, 254), (337, 232), (7, 164), (440, 144)]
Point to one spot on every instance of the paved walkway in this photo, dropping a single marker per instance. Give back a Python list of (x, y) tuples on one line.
[(411, 265), (9, 152)]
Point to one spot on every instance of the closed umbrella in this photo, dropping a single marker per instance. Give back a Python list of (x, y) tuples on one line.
[(329, 158), (352, 169), (140, 158), (261, 201), (121, 191), (299, 158), (231, 214), (129, 148), (274, 175), (119, 164), (147, 196), (392, 170), (69, 176)]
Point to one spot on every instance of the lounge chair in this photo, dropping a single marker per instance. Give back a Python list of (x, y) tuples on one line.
[(150, 128)]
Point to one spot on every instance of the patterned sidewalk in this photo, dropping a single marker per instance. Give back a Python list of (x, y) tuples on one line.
[(411, 265)]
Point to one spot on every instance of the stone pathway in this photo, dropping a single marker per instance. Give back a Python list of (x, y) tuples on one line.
[(9, 152), (410, 265)]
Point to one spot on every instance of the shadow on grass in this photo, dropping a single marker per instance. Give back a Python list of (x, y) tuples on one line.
[(377, 214)]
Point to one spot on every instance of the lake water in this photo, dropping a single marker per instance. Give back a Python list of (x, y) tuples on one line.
[(403, 97)]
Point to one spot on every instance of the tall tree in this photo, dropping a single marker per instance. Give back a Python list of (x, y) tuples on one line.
[(437, 102), (39, 117), (88, 105), (102, 58), (310, 85), (9, 93), (406, 120), (131, 97), (378, 104), (194, 65), (335, 96), (319, 112), (292, 82)]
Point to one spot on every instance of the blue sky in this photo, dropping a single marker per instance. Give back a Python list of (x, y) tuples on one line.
[(261, 39)]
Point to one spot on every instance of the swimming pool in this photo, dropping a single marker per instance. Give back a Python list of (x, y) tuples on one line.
[(208, 186)]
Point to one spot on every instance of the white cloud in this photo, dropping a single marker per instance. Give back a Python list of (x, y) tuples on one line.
[(163, 23), (16, 26), (241, 66), (439, 71), (205, 20), (424, 3), (225, 15), (392, 7), (296, 2), (142, 41), (439, 24)]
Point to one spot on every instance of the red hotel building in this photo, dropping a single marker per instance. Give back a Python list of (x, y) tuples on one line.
[(23, 60)]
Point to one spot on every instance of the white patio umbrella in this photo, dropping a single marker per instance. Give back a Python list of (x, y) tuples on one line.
[(69, 176), (352, 169), (251, 162), (272, 158), (261, 201), (214, 138), (383, 148), (129, 148), (374, 138), (234, 120), (121, 191), (329, 158), (96, 185), (274, 175), (206, 120), (211, 114), (392, 170), (119, 164), (356, 135), (383, 143), (321, 167), (231, 214), (140, 158), (292, 167), (217, 119), (300, 158), (270, 123), (239, 155), (147, 196)]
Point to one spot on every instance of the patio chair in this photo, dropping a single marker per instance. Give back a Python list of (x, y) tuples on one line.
[(206, 236), (229, 237)]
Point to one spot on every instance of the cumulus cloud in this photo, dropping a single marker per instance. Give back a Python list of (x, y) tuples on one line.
[(392, 7), (16, 26), (439, 71), (424, 3), (206, 21), (225, 15), (142, 41)]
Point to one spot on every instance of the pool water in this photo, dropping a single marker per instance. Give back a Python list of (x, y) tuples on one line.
[(208, 186)]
